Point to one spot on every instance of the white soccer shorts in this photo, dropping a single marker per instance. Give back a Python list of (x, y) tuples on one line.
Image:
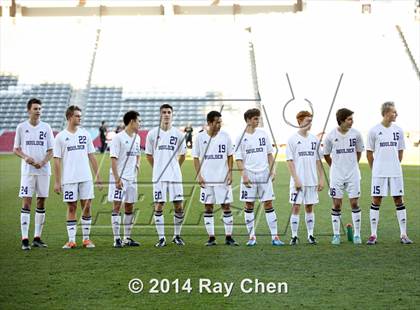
[(218, 194), (78, 191), (384, 186), (30, 184), (128, 193), (308, 195), (338, 187), (261, 188), (163, 188)]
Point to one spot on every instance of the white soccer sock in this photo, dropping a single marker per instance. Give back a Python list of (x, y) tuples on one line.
[(310, 223), (356, 215), (294, 224), (271, 217), (209, 223), (249, 221), (228, 222), (116, 222), (402, 219), (178, 220), (39, 222), (86, 223), (374, 219), (25, 219), (335, 219), (160, 224), (71, 230), (128, 224)]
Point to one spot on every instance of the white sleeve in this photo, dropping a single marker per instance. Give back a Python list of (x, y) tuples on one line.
[(18, 139), (57, 150), (270, 149), (196, 149), (238, 151), (149, 143), (114, 148), (229, 146), (289, 150), (327, 145), (401, 140), (50, 138), (89, 142), (370, 144), (360, 146)]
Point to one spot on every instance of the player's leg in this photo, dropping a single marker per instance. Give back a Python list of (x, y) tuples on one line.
[(248, 196), (130, 198), (86, 195), (223, 196), (209, 223), (336, 220), (356, 215), (42, 185), (159, 191), (71, 225), (116, 221), (310, 222), (397, 193), (178, 220), (379, 188), (26, 191)]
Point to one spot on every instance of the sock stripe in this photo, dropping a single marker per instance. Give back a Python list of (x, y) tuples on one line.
[(374, 207), (249, 210), (86, 218), (179, 215), (269, 210), (115, 214), (39, 210), (158, 213), (128, 213), (400, 207), (208, 214), (71, 222), (25, 211), (335, 212), (356, 210)]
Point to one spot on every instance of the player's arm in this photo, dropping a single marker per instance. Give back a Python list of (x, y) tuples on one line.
[(230, 168), (369, 155), (245, 179), (328, 159), (272, 165), (46, 159), (57, 174), (359, 155), (400, 155), (320, 175), (181, 159), (28, 159), (149, 158), (94, 165), (292, 170), (197, 167), (138, 163), (114, 165)]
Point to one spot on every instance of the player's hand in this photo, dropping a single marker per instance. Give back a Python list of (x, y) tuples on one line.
[(229, 179), (320, 185), (201, 181), (57, 187), (29, 160), (246, 181), (119, 184), (39, 165), (298, 185)]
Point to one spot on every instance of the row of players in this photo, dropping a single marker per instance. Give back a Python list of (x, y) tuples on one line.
[(213, 152)]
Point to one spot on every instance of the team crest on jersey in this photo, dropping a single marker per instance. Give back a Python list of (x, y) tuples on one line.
[(245, 139), (336, 140), (380, 133), (67, 139), (126, 142), (26, 131), (205, 142), (299, 142)]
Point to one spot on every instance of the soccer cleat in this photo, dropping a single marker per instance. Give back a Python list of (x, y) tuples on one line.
[(161, 243), (230, 241), (405, 240), (88, 244), (357, 240), (130, 242), (118, 243), (211, 241), (336, 240), (25, 245), (294, 241), (38, 243), (312, 240), (371, 240), (69, 245), (277, 242), (178, 240), (252, 242)]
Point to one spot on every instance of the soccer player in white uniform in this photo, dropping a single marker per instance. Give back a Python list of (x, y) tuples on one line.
[(125, 161), (165, 151), (213, 162), (255, 160), (343, 147), (73, 150), (384, 149), (307, 178), (33, 143)]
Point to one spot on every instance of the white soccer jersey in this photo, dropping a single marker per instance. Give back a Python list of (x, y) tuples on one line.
[(303, 152), (73, 149), (253, 149), (385, 144), (343, 150), (125, 149), (165, 146), (213, 153), (34, 142)]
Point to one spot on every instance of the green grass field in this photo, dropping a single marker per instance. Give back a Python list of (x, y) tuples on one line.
[(321, 276)]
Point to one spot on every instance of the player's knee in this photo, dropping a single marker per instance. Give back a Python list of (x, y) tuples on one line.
[(249, 206), (398, 200), (376, 200), (295, 209), (308, 208), (208, 208), (268, 204), (226, 206)]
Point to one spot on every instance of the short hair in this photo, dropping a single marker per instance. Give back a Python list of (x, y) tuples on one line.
[(386, 106), (342, 115), (33, 101), (251, 113), (130, 115), (166, 106), (103, 122), (70, 111), (301, 116), (212, 115)]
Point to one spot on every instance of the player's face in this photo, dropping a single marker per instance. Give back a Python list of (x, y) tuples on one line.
[(35, 111), (306, 123), (216, 124), (348, 122), (136, 123), (166, 116), (253, 121), (76, 118), (391, 115)]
